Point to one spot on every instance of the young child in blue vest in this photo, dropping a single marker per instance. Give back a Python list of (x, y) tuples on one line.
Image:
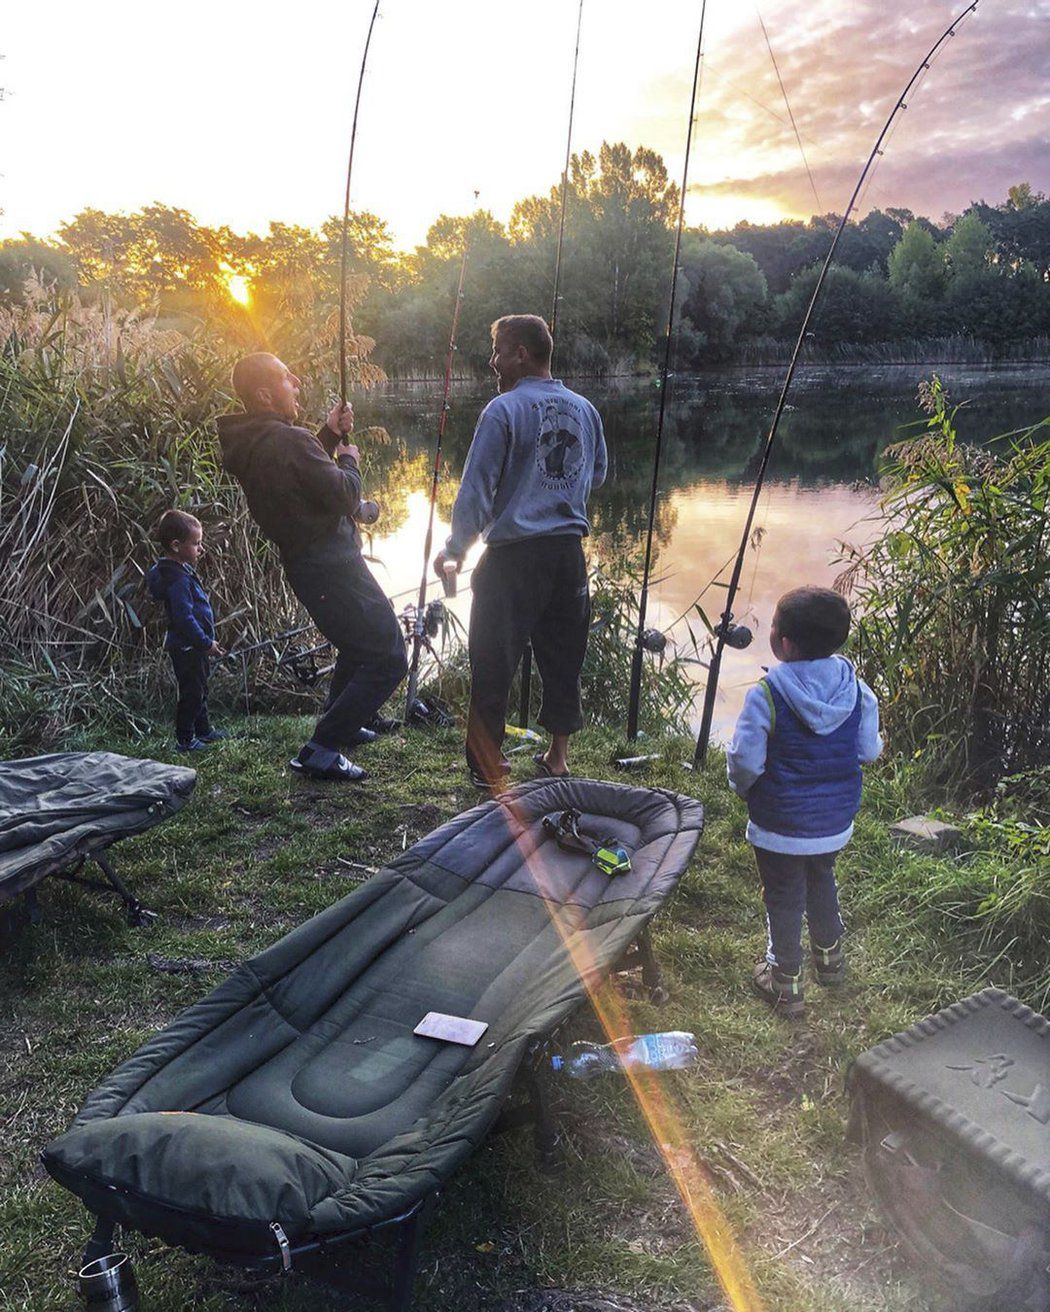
[(796, 756), (190, 639)]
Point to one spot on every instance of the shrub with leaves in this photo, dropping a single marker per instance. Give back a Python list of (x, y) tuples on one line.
[(954, 600)]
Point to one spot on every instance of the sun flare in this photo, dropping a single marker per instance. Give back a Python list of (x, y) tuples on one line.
[(239, 288)]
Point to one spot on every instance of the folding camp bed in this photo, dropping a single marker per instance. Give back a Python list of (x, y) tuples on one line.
[(57, 812), (296, 1109)]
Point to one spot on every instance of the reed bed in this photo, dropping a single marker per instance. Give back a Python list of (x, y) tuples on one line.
[(954, 598)]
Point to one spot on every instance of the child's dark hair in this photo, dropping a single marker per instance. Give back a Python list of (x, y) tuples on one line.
[(175, 526), (816, 620)]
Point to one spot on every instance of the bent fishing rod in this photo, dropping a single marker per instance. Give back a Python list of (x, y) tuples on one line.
[(724, 629), (419, 620), (526, 659), (345, 242), (665, 374)]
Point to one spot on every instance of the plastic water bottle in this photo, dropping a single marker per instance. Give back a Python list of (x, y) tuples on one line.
[(670, 1051)]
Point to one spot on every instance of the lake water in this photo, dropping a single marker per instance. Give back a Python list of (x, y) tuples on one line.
[(820, 489)]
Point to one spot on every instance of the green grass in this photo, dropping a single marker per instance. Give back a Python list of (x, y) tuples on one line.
[(257, 851)]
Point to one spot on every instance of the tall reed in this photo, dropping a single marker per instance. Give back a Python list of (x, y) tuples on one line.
[(954, 598)]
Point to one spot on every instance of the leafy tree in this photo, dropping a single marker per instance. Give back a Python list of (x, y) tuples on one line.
[(968, 250), (853, 307), (916, 265), (1020, 228), (723, 297)]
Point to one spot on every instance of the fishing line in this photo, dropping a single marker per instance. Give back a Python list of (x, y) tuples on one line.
[(711, 70), (344, 254), (787, 106), (565, 179), (724, 628), (526, 658), (643, 597), (419, 633), (757, 545)]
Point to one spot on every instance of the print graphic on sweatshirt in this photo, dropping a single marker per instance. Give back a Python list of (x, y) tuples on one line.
[(559, 443)]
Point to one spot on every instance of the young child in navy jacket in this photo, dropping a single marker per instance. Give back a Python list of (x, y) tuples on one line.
[(796, 756), (190, 639)]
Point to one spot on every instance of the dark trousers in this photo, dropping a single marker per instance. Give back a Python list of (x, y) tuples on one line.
[(347, 605), (531, 590), (793, 886), (191, 709)]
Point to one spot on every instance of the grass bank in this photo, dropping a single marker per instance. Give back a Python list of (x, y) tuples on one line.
[(256, 852)]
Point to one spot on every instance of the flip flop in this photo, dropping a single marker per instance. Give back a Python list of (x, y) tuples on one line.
[(346, 773), (545, 769)]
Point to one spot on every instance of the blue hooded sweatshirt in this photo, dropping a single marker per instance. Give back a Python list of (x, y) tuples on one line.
[(796, 753), (191, 625)]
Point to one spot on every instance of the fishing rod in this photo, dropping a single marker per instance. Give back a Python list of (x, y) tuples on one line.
[(345, 246), (419, 632), (724, 630), (526, 659), (643, 598)]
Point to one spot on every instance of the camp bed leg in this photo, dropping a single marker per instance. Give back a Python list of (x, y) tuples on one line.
[(137, 914), (32, 903), (545, 1136), (406, 1261), (101, 1243), (642, 955), (652, 976)]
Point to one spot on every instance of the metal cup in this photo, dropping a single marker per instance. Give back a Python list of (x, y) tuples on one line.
[(108, 1284), (449, 575)]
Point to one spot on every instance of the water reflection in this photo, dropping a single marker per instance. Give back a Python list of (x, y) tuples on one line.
[(820, 487)]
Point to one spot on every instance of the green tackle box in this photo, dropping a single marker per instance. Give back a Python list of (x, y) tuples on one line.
[(953, 1116)]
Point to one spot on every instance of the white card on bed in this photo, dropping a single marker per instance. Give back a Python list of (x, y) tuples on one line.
[(453, 1029)]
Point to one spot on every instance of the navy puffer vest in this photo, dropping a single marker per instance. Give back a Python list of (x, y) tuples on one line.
[(811, 784)]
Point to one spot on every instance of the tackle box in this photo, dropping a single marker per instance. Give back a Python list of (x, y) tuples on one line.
[(954, 1119)]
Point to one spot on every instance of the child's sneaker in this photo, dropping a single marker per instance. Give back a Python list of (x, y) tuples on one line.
[(782, 991), (194, 745), (829, 964)]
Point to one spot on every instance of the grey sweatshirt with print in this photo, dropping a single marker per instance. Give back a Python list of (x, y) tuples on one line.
[(537, 452)]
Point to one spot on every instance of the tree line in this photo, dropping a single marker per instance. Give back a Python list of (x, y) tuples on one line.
[(898, 278)]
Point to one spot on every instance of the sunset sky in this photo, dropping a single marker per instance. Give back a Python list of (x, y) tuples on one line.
[(241, 118)]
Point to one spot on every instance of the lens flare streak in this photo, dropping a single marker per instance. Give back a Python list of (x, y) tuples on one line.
[(665, 1122)]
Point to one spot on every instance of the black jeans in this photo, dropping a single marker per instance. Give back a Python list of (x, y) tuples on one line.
[(348, 606), (793, 886), (191, 709), (531, 590)]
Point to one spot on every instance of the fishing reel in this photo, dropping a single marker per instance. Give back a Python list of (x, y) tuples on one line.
[(738, 636), (434, 617), (429, 712), (607, 854), (426, 623), (301, 664), (655, 641)]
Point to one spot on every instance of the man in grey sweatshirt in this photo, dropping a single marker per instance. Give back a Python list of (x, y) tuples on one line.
[(537, 452)]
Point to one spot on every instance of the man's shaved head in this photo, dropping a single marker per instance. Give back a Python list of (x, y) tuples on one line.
[(265, 384), (252, 372)]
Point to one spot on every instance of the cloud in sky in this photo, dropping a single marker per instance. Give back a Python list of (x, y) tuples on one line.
[(241, 118), (978, 122)]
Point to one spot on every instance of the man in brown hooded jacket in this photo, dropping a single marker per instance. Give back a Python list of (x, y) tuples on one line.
[(304, 492)]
